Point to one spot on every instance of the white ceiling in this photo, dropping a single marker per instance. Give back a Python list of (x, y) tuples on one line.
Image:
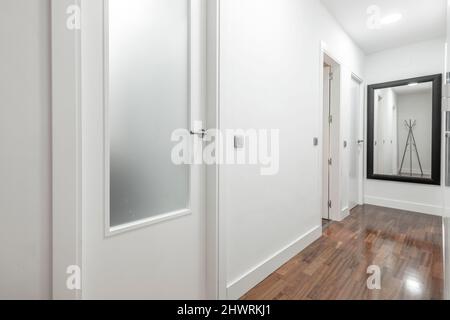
[(422, 20)]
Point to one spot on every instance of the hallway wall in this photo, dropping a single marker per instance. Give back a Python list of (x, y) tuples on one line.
[(270, 80), (25, 168), (420, 59)]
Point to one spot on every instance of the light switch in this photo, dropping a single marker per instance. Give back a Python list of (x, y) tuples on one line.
[(238, 142)]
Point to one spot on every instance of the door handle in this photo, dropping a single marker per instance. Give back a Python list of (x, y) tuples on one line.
[(201, 133)]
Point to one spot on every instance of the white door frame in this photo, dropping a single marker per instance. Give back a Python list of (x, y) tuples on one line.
[(67, 153), (66, 149), (215, 221), (325, 50), (325, 148), (334, 216)]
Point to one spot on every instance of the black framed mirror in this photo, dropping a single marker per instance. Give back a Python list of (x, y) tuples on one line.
[(404, 130)]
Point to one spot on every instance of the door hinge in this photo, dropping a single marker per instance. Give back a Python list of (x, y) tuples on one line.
[(330, 161), (329, 204), (331, 76)]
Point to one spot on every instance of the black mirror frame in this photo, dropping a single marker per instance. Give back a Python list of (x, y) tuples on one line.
[(436, 130)]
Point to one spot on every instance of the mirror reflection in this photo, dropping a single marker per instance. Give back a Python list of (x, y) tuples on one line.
[(403, 130)]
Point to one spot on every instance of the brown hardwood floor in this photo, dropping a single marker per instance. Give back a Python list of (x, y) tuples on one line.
[(406, 246)]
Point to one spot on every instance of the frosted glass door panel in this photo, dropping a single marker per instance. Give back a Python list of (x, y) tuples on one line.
[(148, 100)]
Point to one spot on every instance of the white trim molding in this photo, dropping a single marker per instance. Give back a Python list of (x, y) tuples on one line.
[(404, 205), (250, 279), (215, 221), (66, 148), (345, 212)]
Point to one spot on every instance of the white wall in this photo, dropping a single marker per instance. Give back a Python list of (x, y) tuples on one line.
[(25, 189), (416, 60), (270, 74)]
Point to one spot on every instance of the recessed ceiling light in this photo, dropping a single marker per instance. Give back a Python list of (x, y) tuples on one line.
[(413, 84), (392, 18)]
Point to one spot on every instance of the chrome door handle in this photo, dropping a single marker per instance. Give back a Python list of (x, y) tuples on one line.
[(201, 133)]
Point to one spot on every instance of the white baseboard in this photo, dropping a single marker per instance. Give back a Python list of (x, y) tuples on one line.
[(404, 205), (239, 287), (345, 213)]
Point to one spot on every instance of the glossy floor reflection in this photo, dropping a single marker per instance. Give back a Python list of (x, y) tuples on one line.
[(406, 246)]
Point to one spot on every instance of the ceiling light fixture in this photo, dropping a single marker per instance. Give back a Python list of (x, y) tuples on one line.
[(392, 18)]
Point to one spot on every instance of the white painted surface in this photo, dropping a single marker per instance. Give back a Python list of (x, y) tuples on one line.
[(326, 143), (215, 240), (446, 158), (355, 148), (446, 132), (416, 60), (422, 20), (270, 78), (419, 59), (335, 150), (66, 150), (25, 144), (161, 261), (346, 118)]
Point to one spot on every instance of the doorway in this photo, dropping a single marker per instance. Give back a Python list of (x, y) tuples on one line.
[(331, 134)]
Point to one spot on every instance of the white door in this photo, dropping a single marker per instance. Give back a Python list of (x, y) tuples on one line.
[(143, 212), (356, 145)]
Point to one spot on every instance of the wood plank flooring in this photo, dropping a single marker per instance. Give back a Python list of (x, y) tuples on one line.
[(406, 246)]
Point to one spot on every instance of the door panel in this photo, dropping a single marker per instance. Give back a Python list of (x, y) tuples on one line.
[(355, 145), (153, 86)]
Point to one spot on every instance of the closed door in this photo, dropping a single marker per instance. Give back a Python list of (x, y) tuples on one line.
[(142, 80), (356, 145)]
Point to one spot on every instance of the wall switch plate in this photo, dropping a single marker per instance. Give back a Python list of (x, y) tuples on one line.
[(238, 142)]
